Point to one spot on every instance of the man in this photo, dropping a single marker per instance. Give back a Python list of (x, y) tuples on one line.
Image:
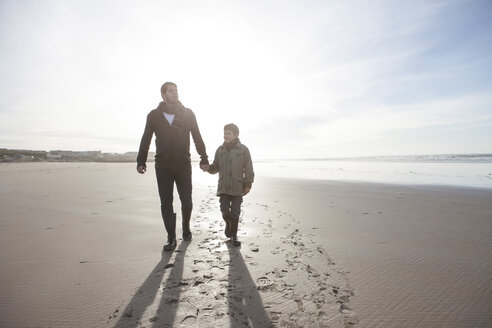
[(172, 124)]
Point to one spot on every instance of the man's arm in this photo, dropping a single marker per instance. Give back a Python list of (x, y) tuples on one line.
[(199, 144), (143, 151)]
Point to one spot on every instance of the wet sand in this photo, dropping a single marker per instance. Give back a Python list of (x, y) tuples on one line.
[(81, 245)]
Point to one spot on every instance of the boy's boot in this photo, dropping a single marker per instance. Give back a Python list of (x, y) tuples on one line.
[(227, 219), (186, 226), (170, 224), (234, 226)]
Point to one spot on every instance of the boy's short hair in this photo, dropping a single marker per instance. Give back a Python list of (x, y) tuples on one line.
[(232, 127), (167, 85)]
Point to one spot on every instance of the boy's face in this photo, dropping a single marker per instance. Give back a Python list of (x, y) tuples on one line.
[(229, 136)]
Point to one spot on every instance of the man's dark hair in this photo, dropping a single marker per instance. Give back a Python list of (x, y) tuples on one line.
[(167, 85), (232, 127)]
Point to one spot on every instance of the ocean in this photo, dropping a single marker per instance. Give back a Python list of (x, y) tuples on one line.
[(467, 170)]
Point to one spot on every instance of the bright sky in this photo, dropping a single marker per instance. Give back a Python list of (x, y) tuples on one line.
[(299, 78)]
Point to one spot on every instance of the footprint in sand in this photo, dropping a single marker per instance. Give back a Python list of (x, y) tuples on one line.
[(189, 320), (253, 247), (263, 283)]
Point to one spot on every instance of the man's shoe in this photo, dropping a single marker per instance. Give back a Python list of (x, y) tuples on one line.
[(235, 241), (187, 236), (171, 245)]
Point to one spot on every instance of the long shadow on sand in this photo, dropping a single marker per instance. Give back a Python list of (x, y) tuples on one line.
[(246, 307), (168, 307), (146, 294)]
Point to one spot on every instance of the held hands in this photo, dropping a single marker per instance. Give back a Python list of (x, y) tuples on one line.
[(142, 169), (204, 167)]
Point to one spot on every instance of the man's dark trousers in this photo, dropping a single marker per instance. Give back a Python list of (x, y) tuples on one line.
[(166, 177)]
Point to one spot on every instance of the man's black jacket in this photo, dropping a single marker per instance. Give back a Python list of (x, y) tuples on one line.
[(172, 142)]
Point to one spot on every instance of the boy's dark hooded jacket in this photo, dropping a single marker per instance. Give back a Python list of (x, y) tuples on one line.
[(172, 142)]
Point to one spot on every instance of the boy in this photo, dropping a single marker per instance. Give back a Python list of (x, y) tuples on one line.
[(233, 162)]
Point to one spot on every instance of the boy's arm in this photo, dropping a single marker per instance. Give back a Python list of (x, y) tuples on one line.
[(249, 174), (214, 167)]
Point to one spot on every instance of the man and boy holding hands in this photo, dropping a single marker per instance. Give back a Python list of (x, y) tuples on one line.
[(172, 124)]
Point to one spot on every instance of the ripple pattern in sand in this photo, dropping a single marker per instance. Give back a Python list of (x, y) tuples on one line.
[(279, 277)]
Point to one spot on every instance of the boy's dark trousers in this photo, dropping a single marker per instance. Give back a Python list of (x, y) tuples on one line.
[(230, 206), (166, 177)]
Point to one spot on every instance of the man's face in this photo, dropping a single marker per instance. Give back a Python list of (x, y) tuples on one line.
[(229, 136), (171, 95)]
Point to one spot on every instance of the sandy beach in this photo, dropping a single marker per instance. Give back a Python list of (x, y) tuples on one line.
[(81, 246)]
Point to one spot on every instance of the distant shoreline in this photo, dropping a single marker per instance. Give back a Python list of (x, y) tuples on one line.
[(25, 155)]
